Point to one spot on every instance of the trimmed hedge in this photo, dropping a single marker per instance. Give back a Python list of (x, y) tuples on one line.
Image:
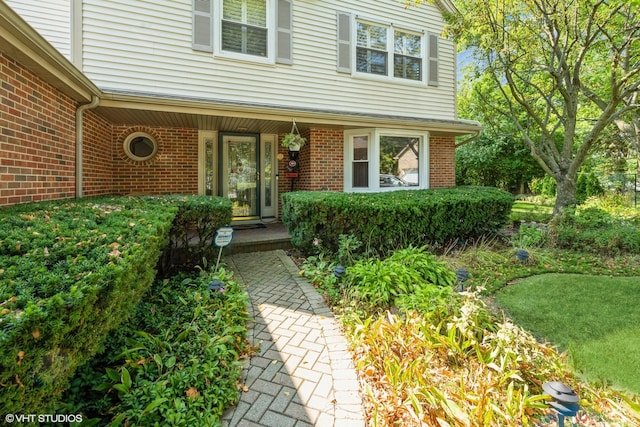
[(193, 231), (390, 220), (70, 272)]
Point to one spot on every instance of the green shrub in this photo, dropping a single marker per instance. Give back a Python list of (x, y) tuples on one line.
[(587, 185), (70, 271), (390, 220), (378, 283), (193, 231), (530, 235), (176, 362), (595, 230)]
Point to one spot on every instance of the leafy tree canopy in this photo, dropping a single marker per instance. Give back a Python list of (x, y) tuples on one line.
[(563, 71)]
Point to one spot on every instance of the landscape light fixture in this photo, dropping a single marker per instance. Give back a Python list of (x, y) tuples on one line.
[(564, 400), (462, 275), (339, 271), (522, 256), (216, 286)]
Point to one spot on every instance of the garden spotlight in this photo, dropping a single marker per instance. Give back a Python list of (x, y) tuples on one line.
[(339, 271), (216, 286), (522, 255), (462, 275)]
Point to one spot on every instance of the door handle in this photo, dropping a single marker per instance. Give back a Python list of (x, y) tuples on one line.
[(257, 176)]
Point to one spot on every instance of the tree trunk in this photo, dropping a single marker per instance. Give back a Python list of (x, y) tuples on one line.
[(565, 194)]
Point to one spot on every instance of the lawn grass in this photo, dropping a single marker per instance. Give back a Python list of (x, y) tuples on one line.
[(529, 211), (594, 318)]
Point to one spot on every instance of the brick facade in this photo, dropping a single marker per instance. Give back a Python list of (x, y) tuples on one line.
[(37, 150), (173, 170), (442, 162), (37, 138), (97, 153), (321, 162)]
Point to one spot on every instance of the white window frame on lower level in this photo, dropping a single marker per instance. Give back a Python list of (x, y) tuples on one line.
[(374, 136)]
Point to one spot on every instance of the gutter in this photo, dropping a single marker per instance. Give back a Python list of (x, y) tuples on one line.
[(473, 137), (79, 142)]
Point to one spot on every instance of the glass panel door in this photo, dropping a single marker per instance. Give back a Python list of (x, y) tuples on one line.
[(240, 174)]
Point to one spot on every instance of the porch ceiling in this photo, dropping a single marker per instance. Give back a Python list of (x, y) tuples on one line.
[(126, 116)]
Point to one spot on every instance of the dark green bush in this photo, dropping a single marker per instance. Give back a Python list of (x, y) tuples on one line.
[(175, 362), (70, 272), (193, 231), (545, 186), (390, 220), (587, 185)]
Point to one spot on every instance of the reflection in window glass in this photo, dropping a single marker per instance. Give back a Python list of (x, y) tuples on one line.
[(209, 184), (244, 26), (361, 161), (268, 170), (371, 49), (399, 161), (407, 63), (141, 146)]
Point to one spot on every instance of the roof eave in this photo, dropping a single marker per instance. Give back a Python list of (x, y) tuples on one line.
[(21, 42), (210, 107)]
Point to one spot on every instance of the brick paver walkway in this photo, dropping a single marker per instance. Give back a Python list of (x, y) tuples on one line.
[(302, 374)]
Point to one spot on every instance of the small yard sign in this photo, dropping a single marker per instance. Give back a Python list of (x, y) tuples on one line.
[(223, 238)]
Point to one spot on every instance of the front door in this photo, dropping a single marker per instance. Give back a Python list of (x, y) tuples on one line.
[(243, 168), (240, 173)]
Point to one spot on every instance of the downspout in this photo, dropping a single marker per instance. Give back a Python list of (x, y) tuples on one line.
[(79, 114), (468, 140)]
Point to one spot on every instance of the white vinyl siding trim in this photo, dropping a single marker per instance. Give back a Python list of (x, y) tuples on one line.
[(52, 19), (145, 47)]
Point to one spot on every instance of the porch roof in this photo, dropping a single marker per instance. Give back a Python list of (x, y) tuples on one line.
[(122, 108)]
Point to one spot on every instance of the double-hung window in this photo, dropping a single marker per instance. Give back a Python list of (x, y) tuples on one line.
[(371, 49), (377, 46), (385, 160), (380, 50), (244, 27), (253, 30), (407, 55)]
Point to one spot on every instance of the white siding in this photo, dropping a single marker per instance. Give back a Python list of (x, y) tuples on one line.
[(51, 18), (145, 46)]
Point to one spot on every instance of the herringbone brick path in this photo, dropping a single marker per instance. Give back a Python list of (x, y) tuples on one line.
[(302, 374)]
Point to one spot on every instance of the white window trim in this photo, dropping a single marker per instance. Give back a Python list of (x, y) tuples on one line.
[(271, 36), (374, 159), (390, 52)]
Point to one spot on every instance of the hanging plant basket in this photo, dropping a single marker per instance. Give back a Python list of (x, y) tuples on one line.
[(293, 141)]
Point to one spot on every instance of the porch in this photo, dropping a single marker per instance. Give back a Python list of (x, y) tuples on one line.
[(258, 238)]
